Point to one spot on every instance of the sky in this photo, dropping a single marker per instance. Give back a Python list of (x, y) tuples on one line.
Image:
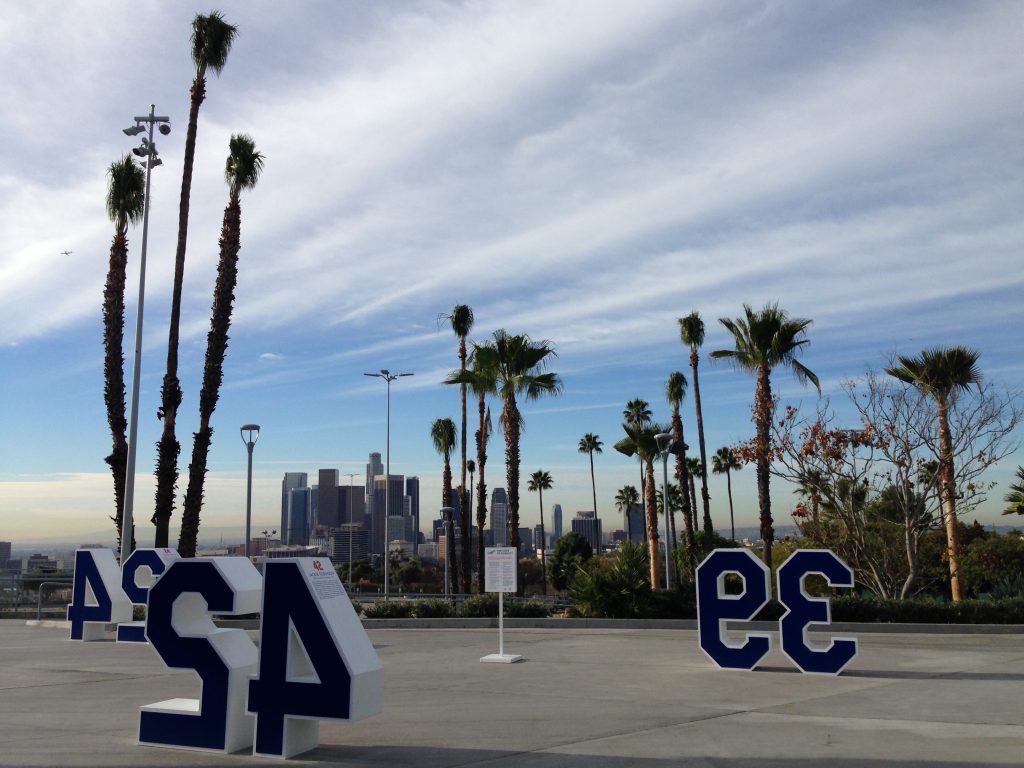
[(584, 172)]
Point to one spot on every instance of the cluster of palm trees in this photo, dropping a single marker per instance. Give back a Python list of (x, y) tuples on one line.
[(511, 368), (211, 41)]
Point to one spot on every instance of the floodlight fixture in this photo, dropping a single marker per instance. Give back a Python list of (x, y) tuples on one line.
[(135, 130)]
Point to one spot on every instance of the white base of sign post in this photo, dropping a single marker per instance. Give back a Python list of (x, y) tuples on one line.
[(501, 657)]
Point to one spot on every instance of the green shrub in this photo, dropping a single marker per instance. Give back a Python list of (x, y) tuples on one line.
[(432, 609), (527, 609), (390, 609), (356, 606), (479, 606)]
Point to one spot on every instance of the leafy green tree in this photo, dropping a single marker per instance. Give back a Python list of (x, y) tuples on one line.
[(940, 373), (1015, 496), (675, 391), (518, 364), (641, 441), (614, 587), (211, 41), (125, 203), (765, 340), (591, 444), (540, 481), (626, 499), (241, 172), (461, 319), (724, 462), (571, 551), (691, 333), (442, 434)]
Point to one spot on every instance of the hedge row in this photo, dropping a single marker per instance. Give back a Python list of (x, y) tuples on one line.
[(475, 607)]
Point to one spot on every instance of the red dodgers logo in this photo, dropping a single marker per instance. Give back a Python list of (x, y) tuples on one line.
[(317, 565)]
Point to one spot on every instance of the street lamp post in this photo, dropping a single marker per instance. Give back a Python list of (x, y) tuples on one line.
[(664, 447), (147, 150), (388, 377), (250, 434)]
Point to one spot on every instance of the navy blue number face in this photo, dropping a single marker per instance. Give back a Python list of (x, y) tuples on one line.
[(715, 606), (316, 683), (804, 610), (222, 659)]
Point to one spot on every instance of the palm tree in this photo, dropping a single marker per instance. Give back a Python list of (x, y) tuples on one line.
[(471, 469), (126, 189), (675, 497), (691, 332), (241, 172), (638, 412), (1015, 496), (941, 373), (540, 481), (211, 41), (765, 340), (461, 319), (724, 462), (675, 391), (442, 434), (627, 498), (591, 444), (641, 441), (481, 381), (518, 365), (693, 470)]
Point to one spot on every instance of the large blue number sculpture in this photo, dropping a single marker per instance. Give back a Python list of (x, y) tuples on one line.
[(804, 610), (156, 561), (316, 661), (181, 631), (96, 598), (715, 607)]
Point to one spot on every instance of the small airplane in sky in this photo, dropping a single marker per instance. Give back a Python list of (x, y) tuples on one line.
[(65, 253)]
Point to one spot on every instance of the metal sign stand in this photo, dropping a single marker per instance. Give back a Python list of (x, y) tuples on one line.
[(500, 577)]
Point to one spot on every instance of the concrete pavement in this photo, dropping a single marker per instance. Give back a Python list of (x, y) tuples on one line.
[(584, 698)]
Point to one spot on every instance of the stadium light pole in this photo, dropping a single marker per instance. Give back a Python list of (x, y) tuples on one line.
[(385, 374), (250, 434), (147, 150), (664, 447)]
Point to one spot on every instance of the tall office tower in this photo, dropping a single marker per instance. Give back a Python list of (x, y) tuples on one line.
[(351, 505), (5, 555), (298, 524), (374, 467), (540, 538), (637, 524), (292, 480), (412, 493), (327, 509), (349, 543), (499, 517), (395, 495), (556, 521), (589, 526), (526, 541)]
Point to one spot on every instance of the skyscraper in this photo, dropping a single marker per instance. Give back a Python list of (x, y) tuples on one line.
[(351, 505), (589, 526), (412, 492), (499, 517), (374, 467), (298, 523), (327, 508), (291, 481), (556, 517), (395, 495)]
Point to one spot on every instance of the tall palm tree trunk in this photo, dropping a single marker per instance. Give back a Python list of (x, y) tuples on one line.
[(652, 527), (465, 502), (113, 371), (213, 373), (593, 484), (706, 499), (481, 494), (763, 416), (684, 480), (168, 447), (511, 417), (728, 486), (543, 544), (949, 501), (449, 529)]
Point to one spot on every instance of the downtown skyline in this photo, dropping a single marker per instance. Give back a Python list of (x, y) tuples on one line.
[(585, 173)]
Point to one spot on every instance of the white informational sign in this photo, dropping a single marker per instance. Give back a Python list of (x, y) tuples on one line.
[(500, 576), (500, 569)]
